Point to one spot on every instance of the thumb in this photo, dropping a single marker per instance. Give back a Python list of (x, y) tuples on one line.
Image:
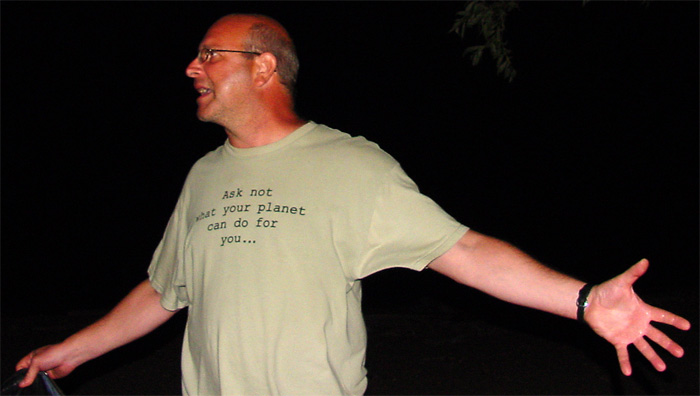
[(634, 272), (29, 378)]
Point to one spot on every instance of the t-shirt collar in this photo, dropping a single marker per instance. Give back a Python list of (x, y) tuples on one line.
[(272, 147)]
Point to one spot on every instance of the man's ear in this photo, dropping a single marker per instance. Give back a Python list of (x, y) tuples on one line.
[(266, 67)]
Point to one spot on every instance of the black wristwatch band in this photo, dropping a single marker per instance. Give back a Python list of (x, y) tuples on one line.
[(582, 301)]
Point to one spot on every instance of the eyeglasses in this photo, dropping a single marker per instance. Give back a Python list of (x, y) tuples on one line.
[(206, 53)]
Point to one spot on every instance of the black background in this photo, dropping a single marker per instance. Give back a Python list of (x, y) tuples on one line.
[(588, 160)]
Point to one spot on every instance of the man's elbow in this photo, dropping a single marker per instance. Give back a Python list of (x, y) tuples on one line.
[(457, 261)]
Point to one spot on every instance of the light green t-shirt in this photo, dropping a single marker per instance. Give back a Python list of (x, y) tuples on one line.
[(266, 247)]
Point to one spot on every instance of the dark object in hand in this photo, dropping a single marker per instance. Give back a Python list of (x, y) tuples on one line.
[(42, 385)]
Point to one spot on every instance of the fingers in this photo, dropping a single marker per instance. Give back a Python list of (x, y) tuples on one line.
[(624, 358), (24, 362), (649, 353), (669, 318), (29, 378), (665, 342)]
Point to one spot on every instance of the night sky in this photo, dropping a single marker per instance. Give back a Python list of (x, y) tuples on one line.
[(588, 160)]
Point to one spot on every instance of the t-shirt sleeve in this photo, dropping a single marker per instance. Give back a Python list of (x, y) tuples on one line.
[(166, 271), (407, 228)]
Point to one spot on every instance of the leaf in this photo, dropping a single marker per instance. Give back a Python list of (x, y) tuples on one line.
[(490, 17)]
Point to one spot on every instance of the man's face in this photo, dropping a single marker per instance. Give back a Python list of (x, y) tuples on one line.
[(224, 81)]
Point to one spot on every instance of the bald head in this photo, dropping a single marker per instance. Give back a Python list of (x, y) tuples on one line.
[(265, 34)]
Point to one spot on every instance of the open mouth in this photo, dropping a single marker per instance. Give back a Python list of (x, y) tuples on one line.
[(203, 91)]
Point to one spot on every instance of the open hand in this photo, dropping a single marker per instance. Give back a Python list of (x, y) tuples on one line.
[(617, 314)]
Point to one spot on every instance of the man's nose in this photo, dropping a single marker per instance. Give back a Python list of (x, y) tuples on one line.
[(194, 68)]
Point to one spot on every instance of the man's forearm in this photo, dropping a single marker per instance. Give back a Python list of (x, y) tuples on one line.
[(136, 315), (505, 272)]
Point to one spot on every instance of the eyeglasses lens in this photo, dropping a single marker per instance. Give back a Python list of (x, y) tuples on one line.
[(203, 55)]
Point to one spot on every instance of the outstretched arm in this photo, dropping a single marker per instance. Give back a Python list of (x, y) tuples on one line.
[(136, 315), (615, 312)]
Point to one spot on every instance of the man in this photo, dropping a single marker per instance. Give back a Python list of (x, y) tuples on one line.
[(275, 229)]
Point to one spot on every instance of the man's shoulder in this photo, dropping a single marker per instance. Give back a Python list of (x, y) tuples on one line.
[(345, 147), (206, 163), (214, 155)]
